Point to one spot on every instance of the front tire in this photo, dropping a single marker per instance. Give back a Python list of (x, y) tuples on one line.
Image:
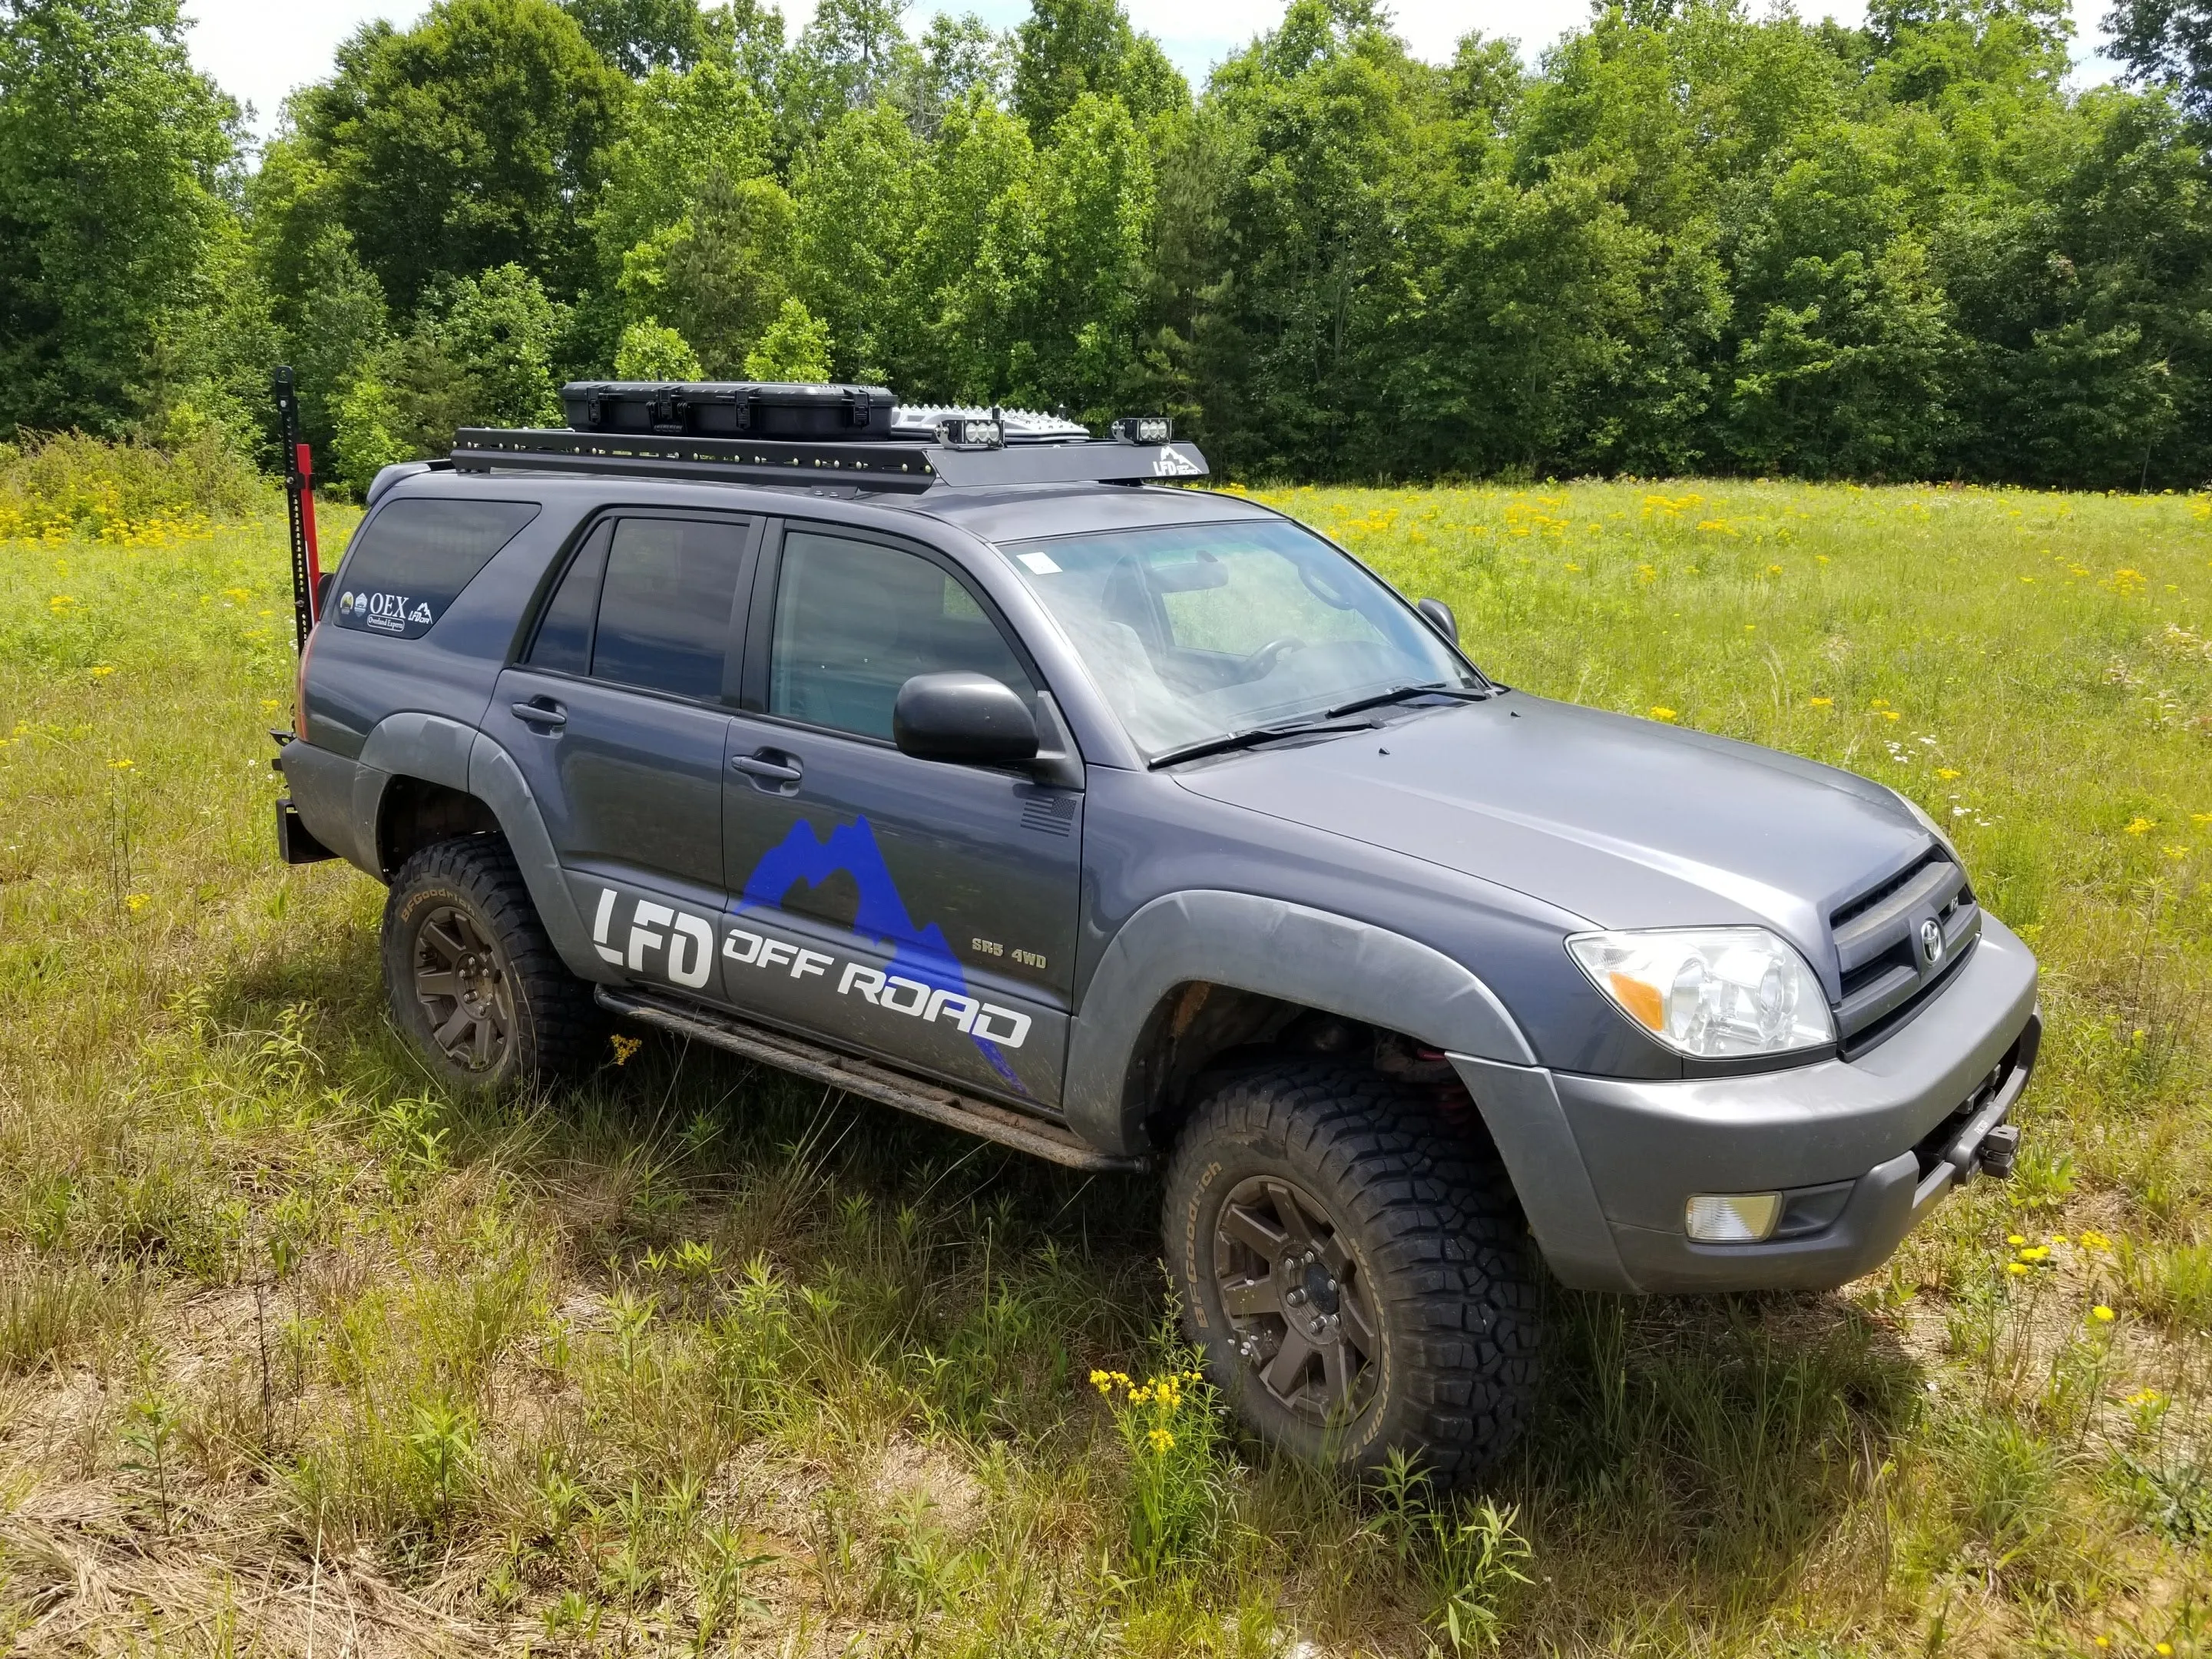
[(473, 982), (1354, 1266)]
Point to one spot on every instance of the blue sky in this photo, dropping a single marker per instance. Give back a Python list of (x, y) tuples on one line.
[(258, 50)]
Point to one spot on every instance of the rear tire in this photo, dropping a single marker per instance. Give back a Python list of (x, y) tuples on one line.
[(1355, 1266), (473, 982)]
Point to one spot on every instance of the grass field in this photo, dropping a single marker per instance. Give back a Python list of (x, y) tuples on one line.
[(297, 1356)]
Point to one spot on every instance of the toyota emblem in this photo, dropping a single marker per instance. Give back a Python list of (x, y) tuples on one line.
[(1931, 941)]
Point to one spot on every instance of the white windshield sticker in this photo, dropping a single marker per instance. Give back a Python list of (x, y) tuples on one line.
[(1041, 563)]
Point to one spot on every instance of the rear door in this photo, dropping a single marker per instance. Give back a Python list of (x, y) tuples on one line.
[(922, 911), (618, 714)]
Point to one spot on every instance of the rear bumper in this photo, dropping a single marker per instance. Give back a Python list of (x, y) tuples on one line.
[(1864, 1148)]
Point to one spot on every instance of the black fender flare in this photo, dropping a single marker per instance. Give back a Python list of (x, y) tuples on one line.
[(1270, 947), (448, 752)]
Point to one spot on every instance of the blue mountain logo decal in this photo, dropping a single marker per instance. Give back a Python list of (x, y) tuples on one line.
[(919, 951)]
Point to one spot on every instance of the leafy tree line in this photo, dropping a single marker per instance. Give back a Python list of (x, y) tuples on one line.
[(1688, 241)]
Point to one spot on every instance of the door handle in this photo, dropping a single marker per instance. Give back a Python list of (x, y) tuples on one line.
[(770, 766), (536, 713)]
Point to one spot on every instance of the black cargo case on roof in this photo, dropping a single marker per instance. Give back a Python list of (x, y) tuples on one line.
[(730, 409)]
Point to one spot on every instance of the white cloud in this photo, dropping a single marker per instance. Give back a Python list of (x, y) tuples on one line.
[(260, 50)]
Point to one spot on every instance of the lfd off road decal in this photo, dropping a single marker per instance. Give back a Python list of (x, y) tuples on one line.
[(922, 965), (923, 979)]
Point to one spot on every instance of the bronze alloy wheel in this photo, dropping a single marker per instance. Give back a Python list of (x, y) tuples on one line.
[(1303, 1321), (462, 984)]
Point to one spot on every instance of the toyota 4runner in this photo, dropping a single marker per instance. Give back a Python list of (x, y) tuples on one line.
[(966, 768)]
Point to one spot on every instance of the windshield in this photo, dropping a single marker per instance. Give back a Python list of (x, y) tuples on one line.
[(1199, 631)]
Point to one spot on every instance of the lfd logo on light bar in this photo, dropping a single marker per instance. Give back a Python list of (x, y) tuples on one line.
[(687, 944)]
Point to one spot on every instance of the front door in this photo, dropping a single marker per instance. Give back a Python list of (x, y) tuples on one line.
[(618, 714), (922, 911)]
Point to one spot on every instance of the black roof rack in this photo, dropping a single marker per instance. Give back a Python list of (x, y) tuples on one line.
[(911, 466)]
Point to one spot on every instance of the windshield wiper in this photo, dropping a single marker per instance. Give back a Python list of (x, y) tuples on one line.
[(1258, 734), (1399, 693)]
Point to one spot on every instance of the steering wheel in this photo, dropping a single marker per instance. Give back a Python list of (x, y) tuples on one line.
[(1261, 663)]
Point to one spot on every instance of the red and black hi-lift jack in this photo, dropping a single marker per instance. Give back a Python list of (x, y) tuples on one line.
[(294, 844), (300, 497)]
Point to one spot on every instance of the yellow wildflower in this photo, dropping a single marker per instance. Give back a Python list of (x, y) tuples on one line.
[(2058, 1238), (624, 1047), (2141, 826), (1661, 713), (1947, 773), (1822, 557), (1879, 702), (2015, 1239), (2102, 1315), (61, 601), (102, 671), (1161, 1440), (137, 902), (1823, 703), (1891, 715), (2176, 853), (2094, 1240), (2016, 1268), (1774, 570), (121, 765)]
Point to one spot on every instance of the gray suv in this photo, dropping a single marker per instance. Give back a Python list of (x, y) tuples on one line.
[(975, 772)]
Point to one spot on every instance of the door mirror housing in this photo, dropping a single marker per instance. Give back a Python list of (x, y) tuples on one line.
[(962, 717), (1438, 616)]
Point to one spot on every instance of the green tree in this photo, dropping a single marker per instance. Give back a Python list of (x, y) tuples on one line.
[(474, 139), (502, 331), (638, 36), (650, 352), (1066, 48), (115, 181), (680, 130), (794, 347), (2167, 44), (1321, 120), (857, 193), (721, 273)]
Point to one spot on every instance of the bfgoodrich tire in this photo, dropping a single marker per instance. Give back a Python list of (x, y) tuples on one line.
[(474, 984), (1353, 1262)]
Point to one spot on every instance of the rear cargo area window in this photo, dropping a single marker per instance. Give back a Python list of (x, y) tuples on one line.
[(414, 558)]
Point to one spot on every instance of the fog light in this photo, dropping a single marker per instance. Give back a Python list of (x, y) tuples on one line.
[(1732, 1218)]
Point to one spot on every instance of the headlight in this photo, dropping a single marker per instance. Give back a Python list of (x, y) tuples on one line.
[(1712, 993)]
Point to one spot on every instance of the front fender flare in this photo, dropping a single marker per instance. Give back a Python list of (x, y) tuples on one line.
[(1273, 948)]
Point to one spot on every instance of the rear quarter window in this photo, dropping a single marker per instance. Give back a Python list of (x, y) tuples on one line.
[(414, 558)]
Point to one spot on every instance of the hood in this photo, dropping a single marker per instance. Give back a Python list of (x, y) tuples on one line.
[(1624, 822)]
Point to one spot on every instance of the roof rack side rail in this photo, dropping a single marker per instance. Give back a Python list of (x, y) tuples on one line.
[(892, 466)]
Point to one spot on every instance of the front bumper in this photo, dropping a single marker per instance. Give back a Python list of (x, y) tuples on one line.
[(1864, 1147)]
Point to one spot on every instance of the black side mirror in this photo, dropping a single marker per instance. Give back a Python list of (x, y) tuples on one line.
[(963, 716), (324, 583), (1438, 616)]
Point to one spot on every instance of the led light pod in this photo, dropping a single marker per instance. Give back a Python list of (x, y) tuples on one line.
[(1143, 429), (1709, 993), (970, 432)]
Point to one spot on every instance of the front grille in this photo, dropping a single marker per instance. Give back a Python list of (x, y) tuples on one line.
[(1886, 975)]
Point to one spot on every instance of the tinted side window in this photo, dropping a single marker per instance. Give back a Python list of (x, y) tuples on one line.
[(854, 621), (664, 606), (564, 633), (414, 559)]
